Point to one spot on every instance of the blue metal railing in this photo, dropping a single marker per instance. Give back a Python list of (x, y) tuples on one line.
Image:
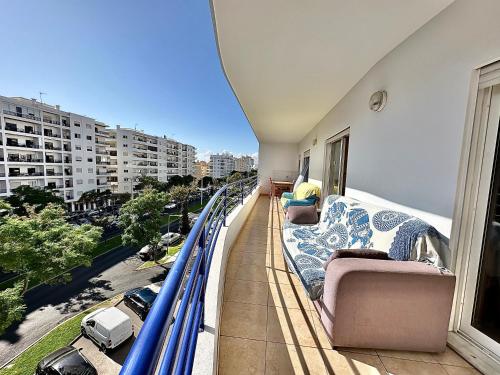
[(171, 343)]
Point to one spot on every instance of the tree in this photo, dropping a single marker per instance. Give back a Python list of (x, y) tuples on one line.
[(40, 247), (37, 198), (180, 181), (181, 195), (140, 219), (205, 181), (149, 182), (235, 177)]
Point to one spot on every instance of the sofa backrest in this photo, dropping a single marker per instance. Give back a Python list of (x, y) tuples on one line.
[(359, 225)]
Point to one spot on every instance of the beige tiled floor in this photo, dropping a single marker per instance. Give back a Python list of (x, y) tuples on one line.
[(269, 326)]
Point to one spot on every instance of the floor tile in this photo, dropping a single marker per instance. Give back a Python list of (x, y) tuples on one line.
[(347, 363), (456, 370), (291, 326), (248, 272), (246, 292), (241, 356), (396, 366), (291, 359), (283, 277), (449, 357), (289, 296), (244, 320)]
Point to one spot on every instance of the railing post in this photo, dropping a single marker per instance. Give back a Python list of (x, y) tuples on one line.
[(225, 206), (241, 191), (203, 271)]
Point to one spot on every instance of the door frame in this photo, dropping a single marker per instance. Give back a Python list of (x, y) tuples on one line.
[(466, 197), (342, 134)]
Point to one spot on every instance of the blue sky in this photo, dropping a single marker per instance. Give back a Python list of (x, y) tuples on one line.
[(150, 63)]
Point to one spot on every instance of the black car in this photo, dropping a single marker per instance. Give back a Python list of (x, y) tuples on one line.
[(65, 361), (140, 300)]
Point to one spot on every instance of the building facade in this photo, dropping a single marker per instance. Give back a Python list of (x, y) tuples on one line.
[(45, 147), (201, 169), (243, 163), (138, 154), (221, 165)]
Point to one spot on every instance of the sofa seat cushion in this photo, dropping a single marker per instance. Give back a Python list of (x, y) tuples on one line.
[(346, 223)]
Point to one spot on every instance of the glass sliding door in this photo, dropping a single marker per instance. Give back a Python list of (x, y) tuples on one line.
[(480, 318), (336, 164)]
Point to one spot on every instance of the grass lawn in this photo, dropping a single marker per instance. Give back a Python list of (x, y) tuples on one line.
[(60, 336), (172, 250)]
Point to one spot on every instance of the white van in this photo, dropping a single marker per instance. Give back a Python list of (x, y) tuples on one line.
[(107, 327)]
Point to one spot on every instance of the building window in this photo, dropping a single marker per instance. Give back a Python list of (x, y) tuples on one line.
[(125, 179), (77, 135), (77, 124), (89, 137), (78, 148), (91, 170), (125, 171), (125, 153), (335, 164), (79, 182), (125, 137), (90, 160), (125, 162), (125, 145), (89, 148), (78, 158)]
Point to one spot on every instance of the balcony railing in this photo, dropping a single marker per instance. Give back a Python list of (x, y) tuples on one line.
[(24, 115), (28, 174), (25, 131), (24, 159), (50, 121), (193, 263)]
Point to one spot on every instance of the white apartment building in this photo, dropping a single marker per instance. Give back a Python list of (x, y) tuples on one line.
[(43, 146), (221, 165), (243, 164), (138, 154)]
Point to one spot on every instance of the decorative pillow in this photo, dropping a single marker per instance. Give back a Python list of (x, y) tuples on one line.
[(357, 253), (307, 190), (302, 214)]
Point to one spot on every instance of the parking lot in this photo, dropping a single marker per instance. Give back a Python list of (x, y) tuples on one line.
[(111, 362)]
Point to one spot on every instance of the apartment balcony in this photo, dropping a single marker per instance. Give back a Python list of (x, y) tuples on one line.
[(26, 174), (50, 173), (22, 130), (52, 147), (23, 115), (101, 152), (24, 159), (12, 143), (53, 161), (3, 191), (50, 134), (51, 121)]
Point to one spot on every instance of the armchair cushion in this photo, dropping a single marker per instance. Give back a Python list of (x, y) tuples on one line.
[(302, 214)]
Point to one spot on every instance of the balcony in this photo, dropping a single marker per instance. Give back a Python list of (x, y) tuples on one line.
[(12, 143), (51, 121), (26, 130), (25, 174), (48, 133), (23, 115), (24, 159)]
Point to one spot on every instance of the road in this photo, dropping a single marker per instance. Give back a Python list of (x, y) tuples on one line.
[(47, 306)]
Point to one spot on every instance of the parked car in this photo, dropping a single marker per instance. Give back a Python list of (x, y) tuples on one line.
[(107, 327), (146, 253), (65, 361), (170, 238), (140, 300), (170, 206)]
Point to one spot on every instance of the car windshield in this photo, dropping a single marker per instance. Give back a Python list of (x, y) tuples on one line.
[(147, 295), (72, 364)]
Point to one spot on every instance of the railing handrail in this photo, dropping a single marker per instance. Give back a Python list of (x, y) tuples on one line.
[(146, 351)]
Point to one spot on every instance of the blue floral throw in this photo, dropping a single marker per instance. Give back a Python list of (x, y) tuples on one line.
[(347, 223)]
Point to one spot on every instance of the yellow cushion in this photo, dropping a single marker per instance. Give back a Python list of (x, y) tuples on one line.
[(306, 190)]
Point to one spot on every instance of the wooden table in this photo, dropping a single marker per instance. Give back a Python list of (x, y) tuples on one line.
[(281, 186)]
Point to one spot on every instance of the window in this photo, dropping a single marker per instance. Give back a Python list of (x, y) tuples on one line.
[(125, 171), (125, 153), (78, 158), (90, 160), (125, 162), (77, 135), (89, 137), (79, 182), (78, 170), (78, 148), (91, 170), (125, 137), (125, 179), (77, 124), (89, 148), (125, 145), (336, 164)]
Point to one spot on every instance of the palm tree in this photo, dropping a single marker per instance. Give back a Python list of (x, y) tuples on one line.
[(181, 195)]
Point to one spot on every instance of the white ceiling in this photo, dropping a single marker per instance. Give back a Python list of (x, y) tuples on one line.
[(290, 61)]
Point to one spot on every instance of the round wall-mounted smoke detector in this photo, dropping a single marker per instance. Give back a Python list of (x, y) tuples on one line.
[(378, 100)]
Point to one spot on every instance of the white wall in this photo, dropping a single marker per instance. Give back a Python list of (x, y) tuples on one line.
[(279, 161), (408, 154)]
